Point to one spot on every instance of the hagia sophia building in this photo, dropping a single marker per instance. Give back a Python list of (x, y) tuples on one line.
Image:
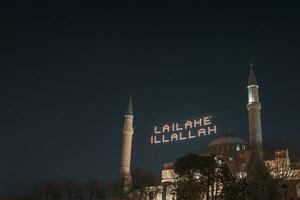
[(232, 149)]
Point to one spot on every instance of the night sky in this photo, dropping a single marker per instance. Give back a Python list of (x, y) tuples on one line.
[(67, 70)]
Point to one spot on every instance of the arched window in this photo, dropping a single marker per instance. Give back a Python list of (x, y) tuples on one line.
[(243, 147), (222, 148), (151, 195)]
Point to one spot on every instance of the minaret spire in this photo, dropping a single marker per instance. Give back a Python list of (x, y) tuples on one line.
[(127, 133), (254, 115), (129, 107), (252, 78)]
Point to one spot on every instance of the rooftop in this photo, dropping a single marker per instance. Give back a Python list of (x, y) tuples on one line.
[(227, 139)]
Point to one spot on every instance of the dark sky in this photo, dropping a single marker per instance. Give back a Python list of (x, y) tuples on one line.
[(67, 69)]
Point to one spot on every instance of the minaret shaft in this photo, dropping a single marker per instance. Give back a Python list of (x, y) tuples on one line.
[(254, 117), (127, 145), (255, 130), (127, 134)]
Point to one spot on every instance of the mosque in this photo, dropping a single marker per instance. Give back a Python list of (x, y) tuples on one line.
[(230, 148)]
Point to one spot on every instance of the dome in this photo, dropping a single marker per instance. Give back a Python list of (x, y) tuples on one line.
[(229, 139)]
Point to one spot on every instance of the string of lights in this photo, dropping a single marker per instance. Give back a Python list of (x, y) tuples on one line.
[(189, 118)]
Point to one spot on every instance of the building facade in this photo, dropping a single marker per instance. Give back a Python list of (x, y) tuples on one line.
[(235, 152)]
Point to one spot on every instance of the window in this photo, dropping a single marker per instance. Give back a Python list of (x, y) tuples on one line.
[(243, 147), (238, 147)]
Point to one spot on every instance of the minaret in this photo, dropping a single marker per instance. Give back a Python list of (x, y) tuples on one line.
[(126, 148), (254, 115)]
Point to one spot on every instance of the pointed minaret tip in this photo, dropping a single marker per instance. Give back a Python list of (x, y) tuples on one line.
[(252, 78), (129, 107)]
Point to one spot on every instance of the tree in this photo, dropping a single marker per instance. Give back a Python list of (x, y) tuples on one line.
[(235, 190), (260, 184), (143, 178), (144, 183), (94, 190), (190, 184), (114, 190), (200, 177), (70, 190)]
